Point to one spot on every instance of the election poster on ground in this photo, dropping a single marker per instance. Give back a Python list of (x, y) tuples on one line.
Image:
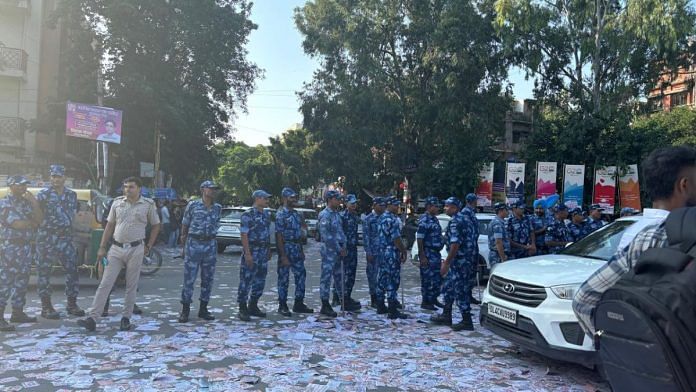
[(629, 189), (484, 192), (573, 185), (514, 182), (97, 123), (546, 179), (604, 192)]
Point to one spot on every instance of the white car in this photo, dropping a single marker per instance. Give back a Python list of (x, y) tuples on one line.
[(529, 301), (484, 221)]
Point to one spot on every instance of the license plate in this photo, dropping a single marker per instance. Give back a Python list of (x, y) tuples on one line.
[(502, 313)]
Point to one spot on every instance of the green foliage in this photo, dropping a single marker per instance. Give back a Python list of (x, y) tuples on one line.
[(677, 127)]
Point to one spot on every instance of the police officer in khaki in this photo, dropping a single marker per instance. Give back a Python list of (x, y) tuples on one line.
[(129, 216)]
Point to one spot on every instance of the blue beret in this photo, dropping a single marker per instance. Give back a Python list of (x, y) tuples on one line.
[(432, 201), (57, 170), (332, 195), (500, 206), (208, 184), (576, 211), (260, 193), (380, 201), (519, 204), (288, 192), (393, 201), (561, 207), (471, 198), (17, 180), (453, 201), (596, 207), (351, 199)]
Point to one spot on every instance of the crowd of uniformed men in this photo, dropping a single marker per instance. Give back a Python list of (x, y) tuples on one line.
[(47, 220)]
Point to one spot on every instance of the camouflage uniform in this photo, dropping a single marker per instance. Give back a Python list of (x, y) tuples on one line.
[(389, 277), (520, 231), (458, 280), (537, 223), (201, 248), (557, 232), (592, 225), (497, 230), (333, 240), (430, 231), (289, 224), (350, 222), (16, 252), (371, 246), (55, 240), (577, 232), (256, 224)]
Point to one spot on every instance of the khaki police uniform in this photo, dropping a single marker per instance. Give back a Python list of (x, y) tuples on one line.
[(127, 250)]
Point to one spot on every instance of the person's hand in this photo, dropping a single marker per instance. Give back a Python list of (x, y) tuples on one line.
[(532, 250), (504, 258), (101, 253), (343, 252), (370, 258), (249, 259), (284, 261), (403, 257), (270, 255), (147, 251), (423, 260), (444, 269)]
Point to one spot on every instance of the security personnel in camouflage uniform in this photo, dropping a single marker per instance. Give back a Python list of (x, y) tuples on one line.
[(393, 255), (55, 240), (594, 221), (199, 226), (20, 215), (461, 251), (333, 246), (255, 229), (498, 237), (577, 225), (350, 220), (540, 222), (469, 211), (288, 225), (557, 235), (371, 246), (522, 239), (430, 243)]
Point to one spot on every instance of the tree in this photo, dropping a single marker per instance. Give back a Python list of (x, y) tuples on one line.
[(243, 169), (293, 154), (676, 127), (405, 88)]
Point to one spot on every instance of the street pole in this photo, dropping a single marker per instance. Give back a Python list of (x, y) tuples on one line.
[(102, 147), (157, 153)]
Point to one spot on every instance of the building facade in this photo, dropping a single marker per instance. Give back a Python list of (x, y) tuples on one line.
[(674, 90)]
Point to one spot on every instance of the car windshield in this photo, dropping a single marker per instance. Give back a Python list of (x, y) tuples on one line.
[(483, 226), (601, 244), (310, 215), (230, 214)]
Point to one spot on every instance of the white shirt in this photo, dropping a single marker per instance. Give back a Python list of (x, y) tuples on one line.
[(165, 215)]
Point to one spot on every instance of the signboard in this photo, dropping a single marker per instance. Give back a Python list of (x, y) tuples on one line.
[(514, 182), (573, 185), (484, 192), (629, 189), (604, 192), (93, 122), (546, 179), (147, 170)]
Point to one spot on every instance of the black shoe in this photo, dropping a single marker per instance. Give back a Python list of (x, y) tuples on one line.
[(125, 324), (465, 324), (427, 306), (394, 312), (399, 305), (373, 301), (5, 326), (243, 312), (300, 307), (474, 301), (327, 310), (254, 310), (444, 318), (203, 312), (75, 310), (353, 302), (105, 312), (381, 308), (283, 309), (137, 310), (87, 323), (438, 304), (18, 316), (185, 311), (351, 305), (47, 310), (336, 301)]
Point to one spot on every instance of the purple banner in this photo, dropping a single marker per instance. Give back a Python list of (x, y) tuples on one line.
[(93, 122)]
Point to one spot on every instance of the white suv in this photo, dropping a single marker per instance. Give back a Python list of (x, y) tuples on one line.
[(529, 301)]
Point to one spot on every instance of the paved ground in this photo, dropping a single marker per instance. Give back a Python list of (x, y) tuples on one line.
[(359, 351)]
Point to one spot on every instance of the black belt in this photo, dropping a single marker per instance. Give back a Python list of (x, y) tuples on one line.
[(202, 237), (259, 244), (132, 244)]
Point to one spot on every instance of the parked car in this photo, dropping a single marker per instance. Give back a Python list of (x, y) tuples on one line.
[(228, 233), (311, 218), (529, 301), (484, 221)]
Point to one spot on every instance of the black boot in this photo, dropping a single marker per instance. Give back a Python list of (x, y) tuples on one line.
[(444, 318), (87, 323), (137, 310), (75, 310), (125, 324), (427, 305), (373, 301), (18, 316), (283, 308), (185, 311), (300, 307), (465, 324), (4, 325), (381, 308), (399, 305), (327, 310), (243, 312), (394, 312), (336, 301), (355, 305), (204, 313), (47, 310), (254, 308), (105, 312)]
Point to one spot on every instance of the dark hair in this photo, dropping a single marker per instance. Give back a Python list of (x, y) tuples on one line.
[(136, 180), (662, 168)]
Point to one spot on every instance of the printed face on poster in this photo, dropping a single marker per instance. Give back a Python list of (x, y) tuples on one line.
[(514, 182), (484, 192), (93, 122), (573, 185), (604, 192), (546, 179)]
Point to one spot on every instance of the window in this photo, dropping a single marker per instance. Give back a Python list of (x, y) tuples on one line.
[(679, 99)]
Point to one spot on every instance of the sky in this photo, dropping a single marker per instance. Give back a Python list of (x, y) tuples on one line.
[(276, 47)]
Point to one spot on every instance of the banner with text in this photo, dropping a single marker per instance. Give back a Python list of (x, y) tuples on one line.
[(97, 123), (573, 185), (514, 182), (484, 192), (629, 190), (546, 179), (604, 192)]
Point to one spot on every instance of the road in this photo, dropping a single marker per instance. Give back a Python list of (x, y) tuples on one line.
[(361, 351)]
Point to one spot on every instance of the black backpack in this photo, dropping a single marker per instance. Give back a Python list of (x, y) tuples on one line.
[(646, 323)]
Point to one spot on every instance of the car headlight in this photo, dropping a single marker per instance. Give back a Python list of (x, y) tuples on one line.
[(566, 291)]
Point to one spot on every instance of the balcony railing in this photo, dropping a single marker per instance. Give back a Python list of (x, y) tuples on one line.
[(23, 4), (11, 132), (12, 60)]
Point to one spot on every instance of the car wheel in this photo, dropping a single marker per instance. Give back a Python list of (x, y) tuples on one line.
[(221, 248)]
